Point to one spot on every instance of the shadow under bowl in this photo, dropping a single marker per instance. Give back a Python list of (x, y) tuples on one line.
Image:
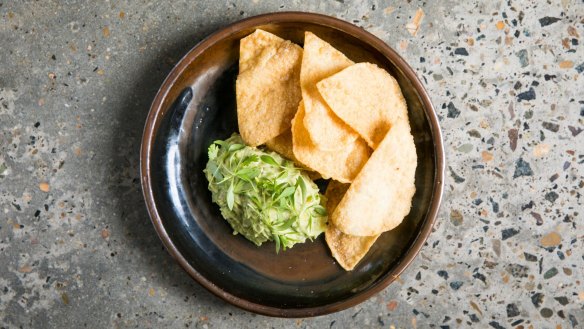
[(196, 105)]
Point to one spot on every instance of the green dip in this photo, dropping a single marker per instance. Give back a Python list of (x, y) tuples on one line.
[(263, 196)]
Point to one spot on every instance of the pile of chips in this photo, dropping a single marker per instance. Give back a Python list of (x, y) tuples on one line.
[(344, 121)]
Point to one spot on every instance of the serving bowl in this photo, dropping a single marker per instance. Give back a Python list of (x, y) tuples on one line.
[(196, 105)]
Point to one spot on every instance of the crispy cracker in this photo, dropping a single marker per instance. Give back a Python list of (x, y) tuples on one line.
[(381, 195), (366, 98), (348, 250), (268, 86), (256, 48), (282, 144), (320, 60), (342, 165)]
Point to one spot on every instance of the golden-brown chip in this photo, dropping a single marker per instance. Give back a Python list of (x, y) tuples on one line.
[(268, 86), (320, 60), (381, 195), (366, 98), (258, 46), (282, 144), (334, 194), (342, 165), (348, 250)]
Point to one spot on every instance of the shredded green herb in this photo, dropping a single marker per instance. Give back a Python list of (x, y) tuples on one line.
[(263, 196)]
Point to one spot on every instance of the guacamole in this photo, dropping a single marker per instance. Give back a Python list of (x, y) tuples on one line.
[(263, 196)]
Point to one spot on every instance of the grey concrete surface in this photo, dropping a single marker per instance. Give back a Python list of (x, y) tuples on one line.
[(77, 248)]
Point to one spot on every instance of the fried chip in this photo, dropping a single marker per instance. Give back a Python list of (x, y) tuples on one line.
[(348, 250), (381, 195), (342, 165), (334, 194), (267, 87), (256, 48), (282, 144), (366, 98), (320, 60)]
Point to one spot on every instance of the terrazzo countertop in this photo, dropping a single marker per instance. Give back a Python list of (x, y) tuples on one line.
[(77, 248)]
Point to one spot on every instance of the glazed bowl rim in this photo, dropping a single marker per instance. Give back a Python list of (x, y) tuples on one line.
[(156, 112)]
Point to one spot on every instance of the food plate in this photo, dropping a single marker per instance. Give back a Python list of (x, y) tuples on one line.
[(196, 105)]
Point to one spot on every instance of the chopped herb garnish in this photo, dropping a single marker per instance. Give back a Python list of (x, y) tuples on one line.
[(263, 196)]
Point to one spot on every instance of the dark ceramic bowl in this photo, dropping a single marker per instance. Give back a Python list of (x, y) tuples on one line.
[(196, 105)]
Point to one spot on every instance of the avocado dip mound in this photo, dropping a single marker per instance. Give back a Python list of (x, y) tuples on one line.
[(263, 196)]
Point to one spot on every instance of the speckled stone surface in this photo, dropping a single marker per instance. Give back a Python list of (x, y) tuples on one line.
[(77, 248)]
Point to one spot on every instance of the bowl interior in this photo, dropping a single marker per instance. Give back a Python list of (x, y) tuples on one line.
[(305, 277)]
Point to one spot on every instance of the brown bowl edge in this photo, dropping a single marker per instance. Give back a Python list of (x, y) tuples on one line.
[(382, 47)]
